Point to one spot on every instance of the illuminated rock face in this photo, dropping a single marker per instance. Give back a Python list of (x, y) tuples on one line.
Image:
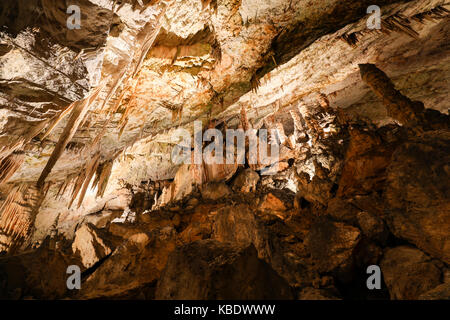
[(89, 119)]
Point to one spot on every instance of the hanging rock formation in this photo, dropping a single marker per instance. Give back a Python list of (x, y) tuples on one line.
[(345, 163)]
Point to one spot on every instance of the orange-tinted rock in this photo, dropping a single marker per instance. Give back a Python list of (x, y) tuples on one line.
[(210, 269), (272, 203), (332, 244), (408, 272), (246, 181), (417, 193)]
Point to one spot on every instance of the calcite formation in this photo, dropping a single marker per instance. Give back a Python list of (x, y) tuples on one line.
[(93, 119)]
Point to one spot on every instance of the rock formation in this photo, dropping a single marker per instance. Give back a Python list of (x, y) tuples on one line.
[(116, 154)]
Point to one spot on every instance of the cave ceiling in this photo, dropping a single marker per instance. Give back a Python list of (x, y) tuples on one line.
[(138, 70)]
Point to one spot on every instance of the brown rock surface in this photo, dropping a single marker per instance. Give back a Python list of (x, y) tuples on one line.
[(417, 193), (331, 244), (89, 245), (213, 270), (246, 181)]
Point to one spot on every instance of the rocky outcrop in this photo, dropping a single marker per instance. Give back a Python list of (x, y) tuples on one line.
[(408, 272), (40, 274), (142, 254), (331, 244), (417, 193), (89, 245), (213, 270), (441, 292)]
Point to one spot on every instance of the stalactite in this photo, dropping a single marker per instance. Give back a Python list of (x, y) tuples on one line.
[(244, 119), (91, 168), (64, 185), (57, 119), (18, 213), (10, 165), (78, 113), (255, 83)]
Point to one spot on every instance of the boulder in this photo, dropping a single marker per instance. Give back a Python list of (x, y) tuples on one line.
[(342, 210), (239, 224), (136, 263), (39, 274), (331, 244), (418, 195), (367, 157), (271, 203), (277, 243), (408, 272), (208, 269)]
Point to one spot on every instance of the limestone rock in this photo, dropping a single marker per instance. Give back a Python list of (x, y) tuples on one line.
[(246, 181), (239, 224), (276, 242), (366, 160), (372, 226), (408, 272), (417, 193), (331, 244), (89, 245), (215, 191), (209, 269), (441, 292), (144, 256), (342, 210), (40, 274), (315, 294), (271, 203)]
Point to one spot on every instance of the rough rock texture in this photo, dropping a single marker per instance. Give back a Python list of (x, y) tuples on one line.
[(212, 270), (89, 245), (441, 292), (331, 244), (41, 273), (215, 191), (92, 122), (246, 181), (408, 272), (143, 255)]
